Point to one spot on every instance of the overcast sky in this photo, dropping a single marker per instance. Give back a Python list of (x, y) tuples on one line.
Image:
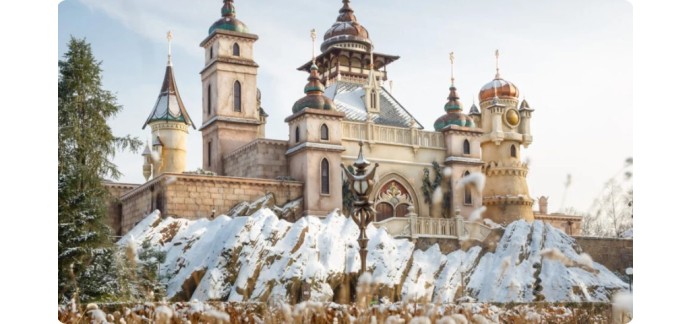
[(572, 60)]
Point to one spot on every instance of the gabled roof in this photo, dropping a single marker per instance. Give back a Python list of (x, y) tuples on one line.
[(169, 105), (349, 99)]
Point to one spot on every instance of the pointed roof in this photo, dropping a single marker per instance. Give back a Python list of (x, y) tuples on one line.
[(474, 110), (169, 105), (525, 105), (346, 29)]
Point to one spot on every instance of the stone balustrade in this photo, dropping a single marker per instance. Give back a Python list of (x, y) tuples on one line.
[(392, 135), (414, 227)]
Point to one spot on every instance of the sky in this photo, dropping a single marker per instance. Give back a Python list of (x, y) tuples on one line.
[(572, 60)]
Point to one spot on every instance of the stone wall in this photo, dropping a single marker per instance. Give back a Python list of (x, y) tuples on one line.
[(614, 253), (195, 196), (262, 158), (114, 216)]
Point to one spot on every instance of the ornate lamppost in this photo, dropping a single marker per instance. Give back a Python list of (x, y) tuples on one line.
[(361, 183)]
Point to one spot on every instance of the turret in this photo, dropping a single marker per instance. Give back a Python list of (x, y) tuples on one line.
[(506, 194), (231, 113), (169, 122), (525, 118)]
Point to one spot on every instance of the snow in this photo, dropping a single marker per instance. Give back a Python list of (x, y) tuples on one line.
[(262, 257)]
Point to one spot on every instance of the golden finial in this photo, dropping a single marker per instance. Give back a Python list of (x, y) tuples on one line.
[(452, 74), (498, 75), (313, 46), (169, 36)]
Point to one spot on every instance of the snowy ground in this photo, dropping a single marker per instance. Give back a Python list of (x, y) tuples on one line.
[(260, 258)]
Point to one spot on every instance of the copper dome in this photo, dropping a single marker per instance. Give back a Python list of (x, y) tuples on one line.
[(345, 29), (498, 87)]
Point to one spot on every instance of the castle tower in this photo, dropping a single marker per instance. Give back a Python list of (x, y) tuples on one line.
[(231, 113), (463, 155), (347, 52), (315, 147), (506, 129), (169, 122)]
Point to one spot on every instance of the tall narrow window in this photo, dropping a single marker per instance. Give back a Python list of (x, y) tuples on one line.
[(466, 147), (324, 132), (513, 151), (468, 191), (208, 99), (373, 99), (210, 52), (297, 134), (237, 90), (208, 154), (325, 180), (236, 50)]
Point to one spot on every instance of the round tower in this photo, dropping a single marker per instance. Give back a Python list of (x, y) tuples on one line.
[(505, 194), (169, 122)]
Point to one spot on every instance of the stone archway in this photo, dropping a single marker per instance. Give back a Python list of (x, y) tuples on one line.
[(392, 196)]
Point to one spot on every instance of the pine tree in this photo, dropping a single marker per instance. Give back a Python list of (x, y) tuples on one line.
[(85, 146)]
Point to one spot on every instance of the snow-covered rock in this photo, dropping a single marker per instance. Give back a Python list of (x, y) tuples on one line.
[(262, 257)]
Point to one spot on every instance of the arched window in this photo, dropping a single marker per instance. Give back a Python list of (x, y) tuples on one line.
[(513, 151), (324, 132), (208, 154), (384, 210), (401, 210), (468, 191), (325, 179), (237, 91), (210, 52), (208, 99), (466, 147), (297, 134), (236, 50)]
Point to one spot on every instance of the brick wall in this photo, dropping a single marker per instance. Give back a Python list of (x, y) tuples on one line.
[(196, 196), (614, 253), (262, 158)]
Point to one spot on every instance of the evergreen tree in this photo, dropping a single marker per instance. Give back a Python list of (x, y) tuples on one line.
[(85, 146)]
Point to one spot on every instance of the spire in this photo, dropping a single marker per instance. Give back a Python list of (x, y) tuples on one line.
[(170, 36), (474, 110), (313, 46), (498, 75), (524, 105), (169, 106), (372, 79), (346, 13), (453, 103), (452, 74), (228, 9)]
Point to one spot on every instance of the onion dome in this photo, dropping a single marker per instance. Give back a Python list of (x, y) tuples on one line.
[(228, 21), (453, 118), (346, 29), (314, 98), (498, 87), (453, 100), (454, 114)]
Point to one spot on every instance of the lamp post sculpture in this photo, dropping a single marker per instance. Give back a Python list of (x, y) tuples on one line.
[(361, 183)]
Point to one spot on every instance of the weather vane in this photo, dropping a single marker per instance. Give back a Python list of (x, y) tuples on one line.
[(497, 74), (452, 74), (170, 36), (313, 46)]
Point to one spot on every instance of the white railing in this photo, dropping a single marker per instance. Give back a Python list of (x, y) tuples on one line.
[(392, 135), (452, 228)]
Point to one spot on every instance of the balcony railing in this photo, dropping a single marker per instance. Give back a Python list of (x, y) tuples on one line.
[(452, 228), (392, 135)]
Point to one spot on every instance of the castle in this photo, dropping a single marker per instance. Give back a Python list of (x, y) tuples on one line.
[(344, 103)]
